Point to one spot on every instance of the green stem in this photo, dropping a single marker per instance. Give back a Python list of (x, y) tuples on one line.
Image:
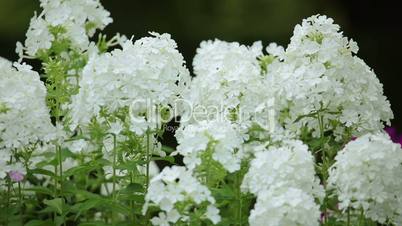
[(114, 176), (8, 191), (348, 220), (148, 159), (59, 166), (208, 154), (20, 203), (361, 218), (240, 204), (60, 161), (132, 201), (323, 159), (55, 181), (55, 189), (61, 182), (114, 166), (8, 198)]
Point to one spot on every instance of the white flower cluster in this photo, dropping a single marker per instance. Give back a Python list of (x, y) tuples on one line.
[(223, 98), (283, 179), (147, 73), (24, 116), (77, 19), (367, 174), (318, 72), (177, 185), (221, 137), (285, 207), (4, 63), (289, 165), (225, 72)]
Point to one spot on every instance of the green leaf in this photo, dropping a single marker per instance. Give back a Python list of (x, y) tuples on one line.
[(95, 223), (42, 172), (79, 170), (132, 188), (86, 205), (128, 165), (166, 158), (55, 204), (311, 115), (41, 190), (167, 149), (39, 223), (117, 207), (224, 193)]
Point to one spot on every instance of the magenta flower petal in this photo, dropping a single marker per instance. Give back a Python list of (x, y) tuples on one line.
[(393, 134), (16, 176)]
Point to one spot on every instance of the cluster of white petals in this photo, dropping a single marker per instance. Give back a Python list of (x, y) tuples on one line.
[(285, 207), (24, 116), (147, 73), (284, 181), (4, 63), (221, 137), (318, 72), (367, 174), (77, 19), (225, 73), (174, 185), (289, 165)]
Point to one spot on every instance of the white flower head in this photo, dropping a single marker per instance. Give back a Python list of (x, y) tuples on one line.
[(225, 73), (222, 137), (289, 165), (142, 76), (174, 185), (318, 72), (25, 119), (367, 174), (76, 20), (285, 207)]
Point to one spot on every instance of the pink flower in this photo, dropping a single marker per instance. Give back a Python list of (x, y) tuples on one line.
[(16, 176), (395, 136)]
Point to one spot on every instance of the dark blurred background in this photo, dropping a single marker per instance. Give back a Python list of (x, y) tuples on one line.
[(375, 25)]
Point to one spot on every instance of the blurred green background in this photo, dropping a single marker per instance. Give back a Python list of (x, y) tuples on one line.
[(375, 25)]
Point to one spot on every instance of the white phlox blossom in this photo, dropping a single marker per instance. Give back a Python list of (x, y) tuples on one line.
[(4, 160), (4, 63), (367, 174), (285, 207), (79, 145), (79, 20), (318, 71), (173, 185), (289, 165), (224, 140), (283, 180), (143, 76), (225, 72), (24, 118)]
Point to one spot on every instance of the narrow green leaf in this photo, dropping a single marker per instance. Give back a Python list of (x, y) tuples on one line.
[(55, 204)]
